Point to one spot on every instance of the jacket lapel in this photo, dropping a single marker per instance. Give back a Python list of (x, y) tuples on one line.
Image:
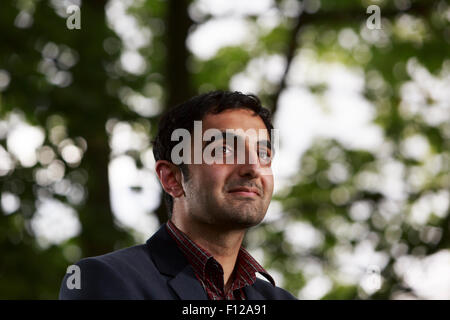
[(186, 285), (170, 261), (252, 294)]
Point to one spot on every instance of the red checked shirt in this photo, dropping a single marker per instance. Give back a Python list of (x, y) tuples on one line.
[(210, 273)]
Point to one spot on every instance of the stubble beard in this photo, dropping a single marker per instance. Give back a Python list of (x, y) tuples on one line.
[(229, 213), (241, 213)]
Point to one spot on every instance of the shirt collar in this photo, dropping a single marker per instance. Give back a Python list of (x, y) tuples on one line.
[(246, 266)]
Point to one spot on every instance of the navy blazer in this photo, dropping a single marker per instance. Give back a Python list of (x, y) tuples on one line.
[(155, 270)]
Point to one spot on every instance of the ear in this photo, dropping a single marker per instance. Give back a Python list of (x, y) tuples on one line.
[(170, 177)]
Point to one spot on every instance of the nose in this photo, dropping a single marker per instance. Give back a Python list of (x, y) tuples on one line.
[(251, 167)]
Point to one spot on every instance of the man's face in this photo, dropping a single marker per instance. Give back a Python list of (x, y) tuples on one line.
[(220, 194)]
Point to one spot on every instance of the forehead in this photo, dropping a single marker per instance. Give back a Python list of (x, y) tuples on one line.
[(235, 119)]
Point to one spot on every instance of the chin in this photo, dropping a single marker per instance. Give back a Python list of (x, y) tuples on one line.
[(245, 219)]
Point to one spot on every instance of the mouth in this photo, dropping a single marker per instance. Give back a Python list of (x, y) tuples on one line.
[(245, 191)]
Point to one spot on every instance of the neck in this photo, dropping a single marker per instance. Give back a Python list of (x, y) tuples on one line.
[(223, 244)]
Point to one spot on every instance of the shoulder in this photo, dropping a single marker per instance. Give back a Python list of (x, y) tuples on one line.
[(108, 276), (123, 259), (272, 292)]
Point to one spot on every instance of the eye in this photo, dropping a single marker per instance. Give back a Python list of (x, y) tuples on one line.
[(226, 148), (265, 156)]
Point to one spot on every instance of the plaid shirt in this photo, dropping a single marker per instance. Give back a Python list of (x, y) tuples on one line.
[(210, 273)]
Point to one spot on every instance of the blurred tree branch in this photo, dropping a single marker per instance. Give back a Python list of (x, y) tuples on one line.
[(178, 82), (305, 19)]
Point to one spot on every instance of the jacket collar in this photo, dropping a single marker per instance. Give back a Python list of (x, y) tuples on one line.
[(252, 294), (170, 261)]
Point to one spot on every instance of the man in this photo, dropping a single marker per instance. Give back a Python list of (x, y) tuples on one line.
[(198, 253)]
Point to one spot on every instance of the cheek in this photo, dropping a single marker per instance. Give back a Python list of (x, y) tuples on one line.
[(268, 184), (211, 177), (216, 176)]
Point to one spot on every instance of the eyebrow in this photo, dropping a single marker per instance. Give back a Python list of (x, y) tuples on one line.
[(232, 137), (265, 143)]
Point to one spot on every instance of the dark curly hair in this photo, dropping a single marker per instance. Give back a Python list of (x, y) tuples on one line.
[(184, 115)]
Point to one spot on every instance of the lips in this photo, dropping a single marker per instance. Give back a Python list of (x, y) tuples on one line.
[(246, 191)]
